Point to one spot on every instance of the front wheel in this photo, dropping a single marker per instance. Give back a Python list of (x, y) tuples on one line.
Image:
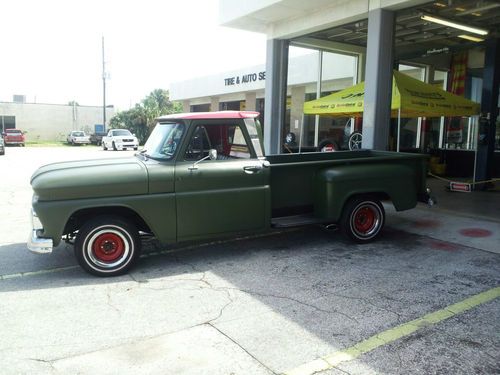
[(362, 219), (107, 246), (114, 146)]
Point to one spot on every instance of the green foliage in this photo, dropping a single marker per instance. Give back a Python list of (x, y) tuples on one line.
[(140, 120)]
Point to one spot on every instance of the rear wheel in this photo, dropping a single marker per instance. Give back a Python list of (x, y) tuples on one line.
[(362, 219), (104, 146), (107, 246)]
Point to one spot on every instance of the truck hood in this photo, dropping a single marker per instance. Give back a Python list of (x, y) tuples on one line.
[(90, 179)]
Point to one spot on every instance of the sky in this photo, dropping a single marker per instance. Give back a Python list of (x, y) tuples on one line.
[(51, 50)]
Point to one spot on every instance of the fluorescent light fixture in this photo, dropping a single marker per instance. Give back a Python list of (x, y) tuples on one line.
[(478, 10), (455, 25), (472, 38)]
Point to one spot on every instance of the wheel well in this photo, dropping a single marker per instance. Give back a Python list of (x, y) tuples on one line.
[(378, 196), (78, 218)]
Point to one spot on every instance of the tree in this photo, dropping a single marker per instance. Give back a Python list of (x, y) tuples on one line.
[(140, 120)]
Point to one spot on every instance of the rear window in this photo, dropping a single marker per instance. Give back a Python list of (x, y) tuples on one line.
[(13, 131)]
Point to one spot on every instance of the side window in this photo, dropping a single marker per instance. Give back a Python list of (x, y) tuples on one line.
[(199, 145), (229, 142), (239, 147)]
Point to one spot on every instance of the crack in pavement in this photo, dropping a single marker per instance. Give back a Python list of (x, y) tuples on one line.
[(367, 300), (108, 302), (299, 302), (48, 362), (242, 348)]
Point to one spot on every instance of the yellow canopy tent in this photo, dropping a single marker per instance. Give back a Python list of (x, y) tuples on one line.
[(410, 98)]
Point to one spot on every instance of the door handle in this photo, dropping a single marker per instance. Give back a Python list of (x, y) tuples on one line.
[(251, 169)]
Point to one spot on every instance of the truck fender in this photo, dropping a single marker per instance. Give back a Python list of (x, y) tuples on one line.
[(334, 186)]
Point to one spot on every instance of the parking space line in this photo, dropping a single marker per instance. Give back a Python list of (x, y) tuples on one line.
[(383, 338), (35, 273)]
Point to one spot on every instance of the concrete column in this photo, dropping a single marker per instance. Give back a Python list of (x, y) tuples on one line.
[(214, 103), (275, 106), (298, 94), (378, 82), (250, 101), (186, 106), (489, 112)]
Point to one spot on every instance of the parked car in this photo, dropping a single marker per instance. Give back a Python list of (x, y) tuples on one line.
[(2, 145), (13, 137), (96, 138), (204, 175), (119, 139), (78, 137)]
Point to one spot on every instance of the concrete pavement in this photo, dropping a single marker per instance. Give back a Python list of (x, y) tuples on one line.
[(262, 305)]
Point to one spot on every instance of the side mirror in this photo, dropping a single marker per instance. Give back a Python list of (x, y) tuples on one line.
[(212, 155)]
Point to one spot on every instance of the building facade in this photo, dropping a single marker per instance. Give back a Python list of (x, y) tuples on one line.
[(51, 122), (453, 44)]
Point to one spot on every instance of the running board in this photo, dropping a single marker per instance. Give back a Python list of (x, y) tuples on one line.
[(295, 221)]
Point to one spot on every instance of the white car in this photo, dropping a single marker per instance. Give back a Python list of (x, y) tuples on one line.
[(119, 139), (78, 137)]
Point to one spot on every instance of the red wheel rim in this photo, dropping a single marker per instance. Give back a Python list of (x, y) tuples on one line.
[(108, 247), (364, 220)]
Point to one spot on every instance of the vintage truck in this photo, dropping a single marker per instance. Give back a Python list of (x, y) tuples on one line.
[(204, 175)]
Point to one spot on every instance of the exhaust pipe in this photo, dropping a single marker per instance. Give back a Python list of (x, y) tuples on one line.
[(331, 227)]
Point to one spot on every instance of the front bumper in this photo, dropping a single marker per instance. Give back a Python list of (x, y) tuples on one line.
[(81, 141), (36, 243), (123, 145)]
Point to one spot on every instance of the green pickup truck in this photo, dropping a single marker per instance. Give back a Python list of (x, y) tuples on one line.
[(204, 175)]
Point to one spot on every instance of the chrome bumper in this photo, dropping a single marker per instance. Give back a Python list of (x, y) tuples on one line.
[(38, 244)]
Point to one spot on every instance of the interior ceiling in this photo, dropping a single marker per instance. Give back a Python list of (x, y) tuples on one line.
[(416, 37)]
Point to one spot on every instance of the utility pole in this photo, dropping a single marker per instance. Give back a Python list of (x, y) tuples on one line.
[(103, 88)]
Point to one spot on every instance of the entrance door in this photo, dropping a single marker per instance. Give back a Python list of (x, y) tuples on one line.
[(227, 195)]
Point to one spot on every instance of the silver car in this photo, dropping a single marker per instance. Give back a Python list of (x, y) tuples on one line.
[(78, 137)]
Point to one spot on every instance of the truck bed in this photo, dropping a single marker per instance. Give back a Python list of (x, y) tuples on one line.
[(293, 176)]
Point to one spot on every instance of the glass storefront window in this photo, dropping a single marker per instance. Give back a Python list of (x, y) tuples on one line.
[(337, 73)]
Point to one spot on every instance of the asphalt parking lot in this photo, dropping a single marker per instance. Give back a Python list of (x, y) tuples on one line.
[(423, 299)]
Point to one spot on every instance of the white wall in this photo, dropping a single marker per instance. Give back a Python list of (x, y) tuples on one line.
[(292, 18), (52, 122)]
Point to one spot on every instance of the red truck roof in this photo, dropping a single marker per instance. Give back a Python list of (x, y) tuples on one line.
[(210, 115)]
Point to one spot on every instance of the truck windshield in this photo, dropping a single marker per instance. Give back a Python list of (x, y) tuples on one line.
[(164, 140)]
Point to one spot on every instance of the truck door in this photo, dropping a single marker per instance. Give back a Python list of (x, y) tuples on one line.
[(227, 195)]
